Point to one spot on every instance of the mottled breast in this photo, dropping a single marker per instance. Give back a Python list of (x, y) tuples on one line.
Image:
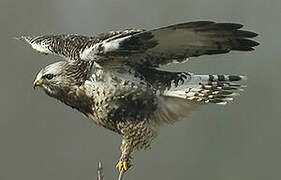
[(120, 95)]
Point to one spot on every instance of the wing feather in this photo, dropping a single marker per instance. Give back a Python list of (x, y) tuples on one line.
[(177, 42), (72, 46), (174, 43)]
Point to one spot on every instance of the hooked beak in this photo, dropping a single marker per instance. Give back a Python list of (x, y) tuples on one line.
[(37, 82)]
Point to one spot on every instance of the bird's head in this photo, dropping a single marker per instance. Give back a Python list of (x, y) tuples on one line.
[(59, 78), (52, 77)]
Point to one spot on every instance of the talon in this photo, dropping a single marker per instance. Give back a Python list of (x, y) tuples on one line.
[(122, 165), (119, 166), (125, 166)]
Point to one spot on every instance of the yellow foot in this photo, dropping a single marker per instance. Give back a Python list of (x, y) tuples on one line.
[(122, 165)]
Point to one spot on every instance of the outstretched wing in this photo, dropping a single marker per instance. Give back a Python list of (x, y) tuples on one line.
[(153, 48), (71, 46), (173, 43)]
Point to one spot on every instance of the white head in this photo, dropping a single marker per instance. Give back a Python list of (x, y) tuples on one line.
[(59, 78), (51, 78)]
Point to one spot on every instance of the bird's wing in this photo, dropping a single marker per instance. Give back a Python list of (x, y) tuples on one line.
[(172, 43), (70, 46), (64, 45), (155, 47)]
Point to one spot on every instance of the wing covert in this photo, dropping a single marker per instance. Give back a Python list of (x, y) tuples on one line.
[(72, 46)]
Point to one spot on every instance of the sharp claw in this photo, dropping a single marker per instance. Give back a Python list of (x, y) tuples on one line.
[(119, 166), (125, 166), (122, 165)]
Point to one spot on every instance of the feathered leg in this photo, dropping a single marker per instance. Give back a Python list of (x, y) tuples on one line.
[(136, 135), (124, 162)]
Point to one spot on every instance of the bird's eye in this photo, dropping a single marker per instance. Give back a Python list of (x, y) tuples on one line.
[(49, 76)]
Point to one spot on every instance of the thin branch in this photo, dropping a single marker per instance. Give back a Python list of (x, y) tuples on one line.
[(100, 175), (99, 172), (121, 175)]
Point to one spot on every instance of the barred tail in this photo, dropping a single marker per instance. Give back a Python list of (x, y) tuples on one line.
[(217, 89)]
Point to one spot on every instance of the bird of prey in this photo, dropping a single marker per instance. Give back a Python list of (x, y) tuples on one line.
[(115, 78)]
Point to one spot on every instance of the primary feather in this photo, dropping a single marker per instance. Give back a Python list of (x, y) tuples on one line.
[(178, 42)]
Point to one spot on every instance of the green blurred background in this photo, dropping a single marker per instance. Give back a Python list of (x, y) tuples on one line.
[(42, 139)]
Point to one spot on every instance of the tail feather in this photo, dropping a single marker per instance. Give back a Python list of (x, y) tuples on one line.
[(218, 89)]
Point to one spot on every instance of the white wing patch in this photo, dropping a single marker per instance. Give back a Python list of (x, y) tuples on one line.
[(113, 45), (104, 47), (41, 48)]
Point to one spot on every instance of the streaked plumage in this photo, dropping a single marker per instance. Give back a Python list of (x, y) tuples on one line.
[(112, 77)]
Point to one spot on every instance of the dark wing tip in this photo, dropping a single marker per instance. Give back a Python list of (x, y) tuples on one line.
[(228, 26), (248, 42), (245, 34), (244, 45), (240, 40)]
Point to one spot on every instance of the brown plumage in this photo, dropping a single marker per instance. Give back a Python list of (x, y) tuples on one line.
[(112, 77)]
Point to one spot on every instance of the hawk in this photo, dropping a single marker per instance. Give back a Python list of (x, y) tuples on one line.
[(115, 78)]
